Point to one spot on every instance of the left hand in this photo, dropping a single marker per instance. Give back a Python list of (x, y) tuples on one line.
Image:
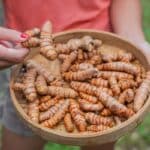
[(145, 48)]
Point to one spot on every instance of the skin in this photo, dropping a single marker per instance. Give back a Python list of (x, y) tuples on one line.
[(126, 22), (9, 55)]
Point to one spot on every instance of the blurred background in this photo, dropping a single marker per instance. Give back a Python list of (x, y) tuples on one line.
[(137, 140)]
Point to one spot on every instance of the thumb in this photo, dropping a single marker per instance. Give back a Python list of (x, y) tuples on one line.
[(12, 35)]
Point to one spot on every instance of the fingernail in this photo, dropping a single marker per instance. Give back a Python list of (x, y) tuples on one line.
[(24, 35)]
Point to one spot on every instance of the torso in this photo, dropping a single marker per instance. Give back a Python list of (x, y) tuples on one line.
[(64, 14)]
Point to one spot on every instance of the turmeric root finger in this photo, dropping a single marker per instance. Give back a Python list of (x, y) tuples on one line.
[(126, 96), (142, 93), (40, 69), (33, 111), (46, 44), (106, 112), (18, 86), (50, 112), (68, 61), (120, 66), (81, 66), (33, 32), (62, 92), (97, 120), (44, 99), (80, 75), (124, 84), (41, 85), (45, 105), (99, 82), (29, 84), (54, 120), (114, 85), (113, 104), (120, 56), (68, 123), (97, 128), (62, 48), (86, 106), (31, 42), (87, 88), (77, 116), (118, 75), (90, 98)]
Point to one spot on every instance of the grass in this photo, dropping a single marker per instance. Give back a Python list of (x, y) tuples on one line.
[(140, 138)]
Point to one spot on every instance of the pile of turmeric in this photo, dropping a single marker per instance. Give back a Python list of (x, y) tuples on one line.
[(94, 92)]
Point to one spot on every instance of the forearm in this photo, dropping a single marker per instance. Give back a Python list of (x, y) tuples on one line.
[(126, 18)]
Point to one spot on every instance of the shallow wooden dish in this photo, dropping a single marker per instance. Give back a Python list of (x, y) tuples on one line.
[(59, 135)]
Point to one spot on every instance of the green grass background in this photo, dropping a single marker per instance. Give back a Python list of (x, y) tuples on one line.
[(140, 138)]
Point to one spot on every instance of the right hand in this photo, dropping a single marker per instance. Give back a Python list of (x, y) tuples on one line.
[(9, 55)]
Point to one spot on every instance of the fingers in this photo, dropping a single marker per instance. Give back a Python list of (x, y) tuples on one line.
[(12, 35), (6, 43), (5, 64), (13, 55)]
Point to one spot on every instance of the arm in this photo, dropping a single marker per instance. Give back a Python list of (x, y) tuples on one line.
[(126, 18)]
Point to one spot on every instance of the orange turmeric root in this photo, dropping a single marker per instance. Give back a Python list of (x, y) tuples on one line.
[(29, 85), (62, 49), (58, 82), (31, 42), (50, 112), (68, 61), (106, 112), (118, 75), (80, 55), (126, 96), (81, 66), (40, 69), (33, 111), (89, 98), (120, 66), (97, 128), (142, 93), (41, 85), (97, 120), (33, 32), (99, 82), (113, 104), (114, 85), (46, 43), (44, 99), (125, 84), (68, 123), (80, 75), (18, 86), (95, 59), (58, 116), (86, 106), (62, 92), (87, 88), (77, 116), (120, 56), (46, 105)]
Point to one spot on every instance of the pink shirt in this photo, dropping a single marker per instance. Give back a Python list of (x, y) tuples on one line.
[(64, 14)]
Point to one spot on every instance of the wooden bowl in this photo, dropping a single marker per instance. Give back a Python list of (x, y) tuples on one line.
[(59, 135)]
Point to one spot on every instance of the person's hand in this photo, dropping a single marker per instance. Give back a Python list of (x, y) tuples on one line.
[(10, 55), (145, 48)]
